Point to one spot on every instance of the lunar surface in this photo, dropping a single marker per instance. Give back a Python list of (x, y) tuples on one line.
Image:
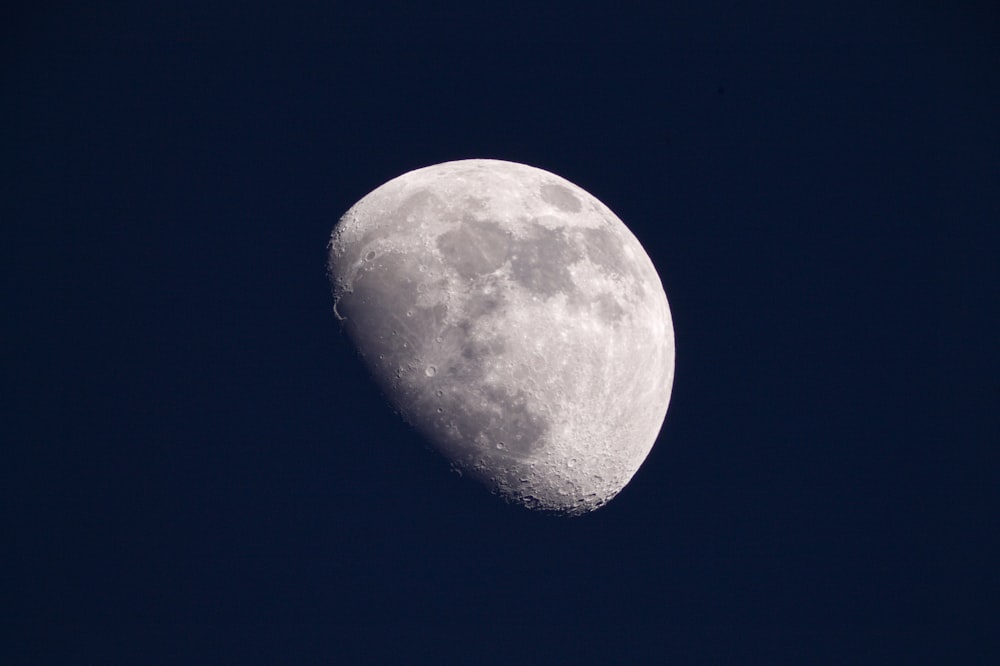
[(514, 321)]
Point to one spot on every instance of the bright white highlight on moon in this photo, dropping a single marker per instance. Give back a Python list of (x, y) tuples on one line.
[(515, 322)]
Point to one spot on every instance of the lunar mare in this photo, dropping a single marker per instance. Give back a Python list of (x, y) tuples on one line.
[(514, 321)]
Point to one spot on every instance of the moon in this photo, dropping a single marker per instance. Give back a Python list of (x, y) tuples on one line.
[(515, 322)]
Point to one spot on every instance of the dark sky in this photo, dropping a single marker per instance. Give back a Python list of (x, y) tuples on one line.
[(199, 472)]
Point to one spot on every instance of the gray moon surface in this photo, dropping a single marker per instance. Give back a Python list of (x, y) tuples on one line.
[(515, 322)]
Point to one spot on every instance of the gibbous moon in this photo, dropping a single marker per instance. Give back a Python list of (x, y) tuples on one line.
[(515, 322)]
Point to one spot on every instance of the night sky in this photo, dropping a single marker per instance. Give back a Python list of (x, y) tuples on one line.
[(197, 469)]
